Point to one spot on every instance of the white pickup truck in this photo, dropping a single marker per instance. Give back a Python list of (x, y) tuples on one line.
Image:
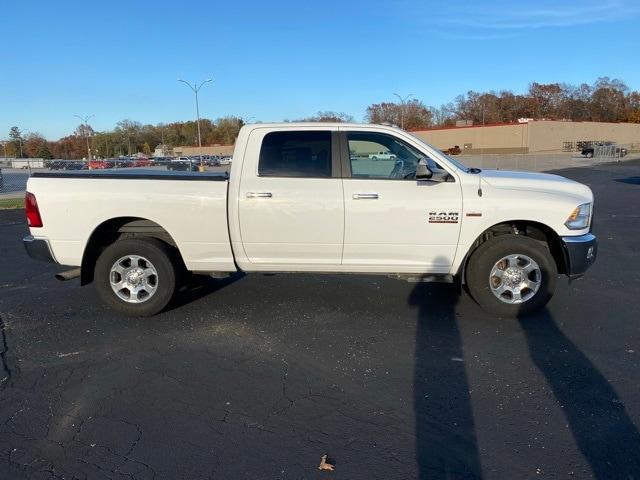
[(382, 156), (296, 201)]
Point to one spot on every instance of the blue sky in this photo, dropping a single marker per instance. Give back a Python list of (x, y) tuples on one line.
[(285, 59)]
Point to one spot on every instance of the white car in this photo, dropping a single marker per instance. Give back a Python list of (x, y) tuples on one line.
[(382, 156), (226, 160), (297, 202)]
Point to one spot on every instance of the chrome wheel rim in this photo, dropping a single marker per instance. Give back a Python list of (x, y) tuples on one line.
[(133, 279), (515, 279)]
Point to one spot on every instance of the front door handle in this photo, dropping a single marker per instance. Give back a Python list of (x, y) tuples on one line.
[(365, 196), (259, 195)]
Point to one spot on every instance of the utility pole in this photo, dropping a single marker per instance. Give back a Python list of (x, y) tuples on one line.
[(403, 101), (85, 121), (196, 88)]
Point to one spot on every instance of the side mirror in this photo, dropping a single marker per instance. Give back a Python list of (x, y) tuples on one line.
[(423, 172)]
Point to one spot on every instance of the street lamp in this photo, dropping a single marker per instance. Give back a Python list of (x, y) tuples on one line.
[(85, 121), (403, 101), (196, 88)]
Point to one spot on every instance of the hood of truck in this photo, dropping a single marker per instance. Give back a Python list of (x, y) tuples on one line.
[(538, 182)]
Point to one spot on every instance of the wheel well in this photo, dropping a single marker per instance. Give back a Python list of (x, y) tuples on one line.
[(115, 229), (535, 230)]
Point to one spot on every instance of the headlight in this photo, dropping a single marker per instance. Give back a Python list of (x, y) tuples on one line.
[(579, 218)]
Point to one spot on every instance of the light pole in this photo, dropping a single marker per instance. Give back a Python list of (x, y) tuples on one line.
[(196, 88), (403, 101), (85, 121)]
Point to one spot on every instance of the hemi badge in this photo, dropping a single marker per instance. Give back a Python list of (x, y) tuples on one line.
[(474, 214)]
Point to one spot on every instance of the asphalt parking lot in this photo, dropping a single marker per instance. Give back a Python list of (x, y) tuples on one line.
[(258, 376)]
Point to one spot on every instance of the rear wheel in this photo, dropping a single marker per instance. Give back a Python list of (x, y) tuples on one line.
[(512, 275), (136, 277)]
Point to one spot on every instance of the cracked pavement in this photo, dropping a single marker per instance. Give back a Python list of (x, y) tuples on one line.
[(258, 376)]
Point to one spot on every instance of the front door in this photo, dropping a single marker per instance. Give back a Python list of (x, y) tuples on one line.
[(394, 223)]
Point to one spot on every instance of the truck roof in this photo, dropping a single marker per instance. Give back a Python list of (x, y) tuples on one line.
[(319, 124)]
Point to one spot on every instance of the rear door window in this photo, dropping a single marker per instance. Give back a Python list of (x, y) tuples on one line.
[(296, 154)]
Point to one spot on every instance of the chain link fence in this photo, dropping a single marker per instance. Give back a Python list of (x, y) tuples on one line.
[(540, 162)]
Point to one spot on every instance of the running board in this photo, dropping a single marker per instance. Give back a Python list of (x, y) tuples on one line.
[(425, 278)]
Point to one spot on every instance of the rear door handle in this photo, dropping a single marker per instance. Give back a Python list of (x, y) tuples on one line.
[(259, 195), (365, 196)]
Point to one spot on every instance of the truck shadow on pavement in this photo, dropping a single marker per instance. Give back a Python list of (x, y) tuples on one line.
[(199, 286), (446, 444), (601, 427)]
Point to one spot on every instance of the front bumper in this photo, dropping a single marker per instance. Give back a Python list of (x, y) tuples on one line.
[(38, 249), (580, 253)]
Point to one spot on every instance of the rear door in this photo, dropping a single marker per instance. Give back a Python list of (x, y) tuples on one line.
[(290, 199), (393, 222)]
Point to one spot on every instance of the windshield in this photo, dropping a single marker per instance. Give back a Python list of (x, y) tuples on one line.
[(455, 162), (459, 165)]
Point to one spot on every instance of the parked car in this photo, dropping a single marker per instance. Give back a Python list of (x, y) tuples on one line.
[(75, 166), (382, 156), (142, 162), (226, 160), (612, 151), (121, 162), (100, 164), (185, 165), (455, 150), (505, 235), (57, 165)]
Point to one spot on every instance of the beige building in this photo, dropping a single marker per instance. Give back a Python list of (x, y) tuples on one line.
[(538, 136), (211, 150)]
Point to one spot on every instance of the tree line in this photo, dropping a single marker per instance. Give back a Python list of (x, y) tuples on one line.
[(606, 100), (127, 138)]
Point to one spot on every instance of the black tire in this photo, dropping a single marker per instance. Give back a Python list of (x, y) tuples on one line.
[(375, 159), (489, 253), (163, 260)]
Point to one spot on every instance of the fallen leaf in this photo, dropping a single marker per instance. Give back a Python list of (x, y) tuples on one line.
[(324, 464)]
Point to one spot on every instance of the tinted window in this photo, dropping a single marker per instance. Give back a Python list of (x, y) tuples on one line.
[(295, 154), (376, 155)]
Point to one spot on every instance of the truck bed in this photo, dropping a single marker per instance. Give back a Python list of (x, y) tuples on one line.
[(191, 208)]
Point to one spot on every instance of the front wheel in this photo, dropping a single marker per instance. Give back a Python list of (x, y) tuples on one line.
[(136, 277), (512, 275)]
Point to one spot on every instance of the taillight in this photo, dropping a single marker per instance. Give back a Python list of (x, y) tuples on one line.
[(33, 213)]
